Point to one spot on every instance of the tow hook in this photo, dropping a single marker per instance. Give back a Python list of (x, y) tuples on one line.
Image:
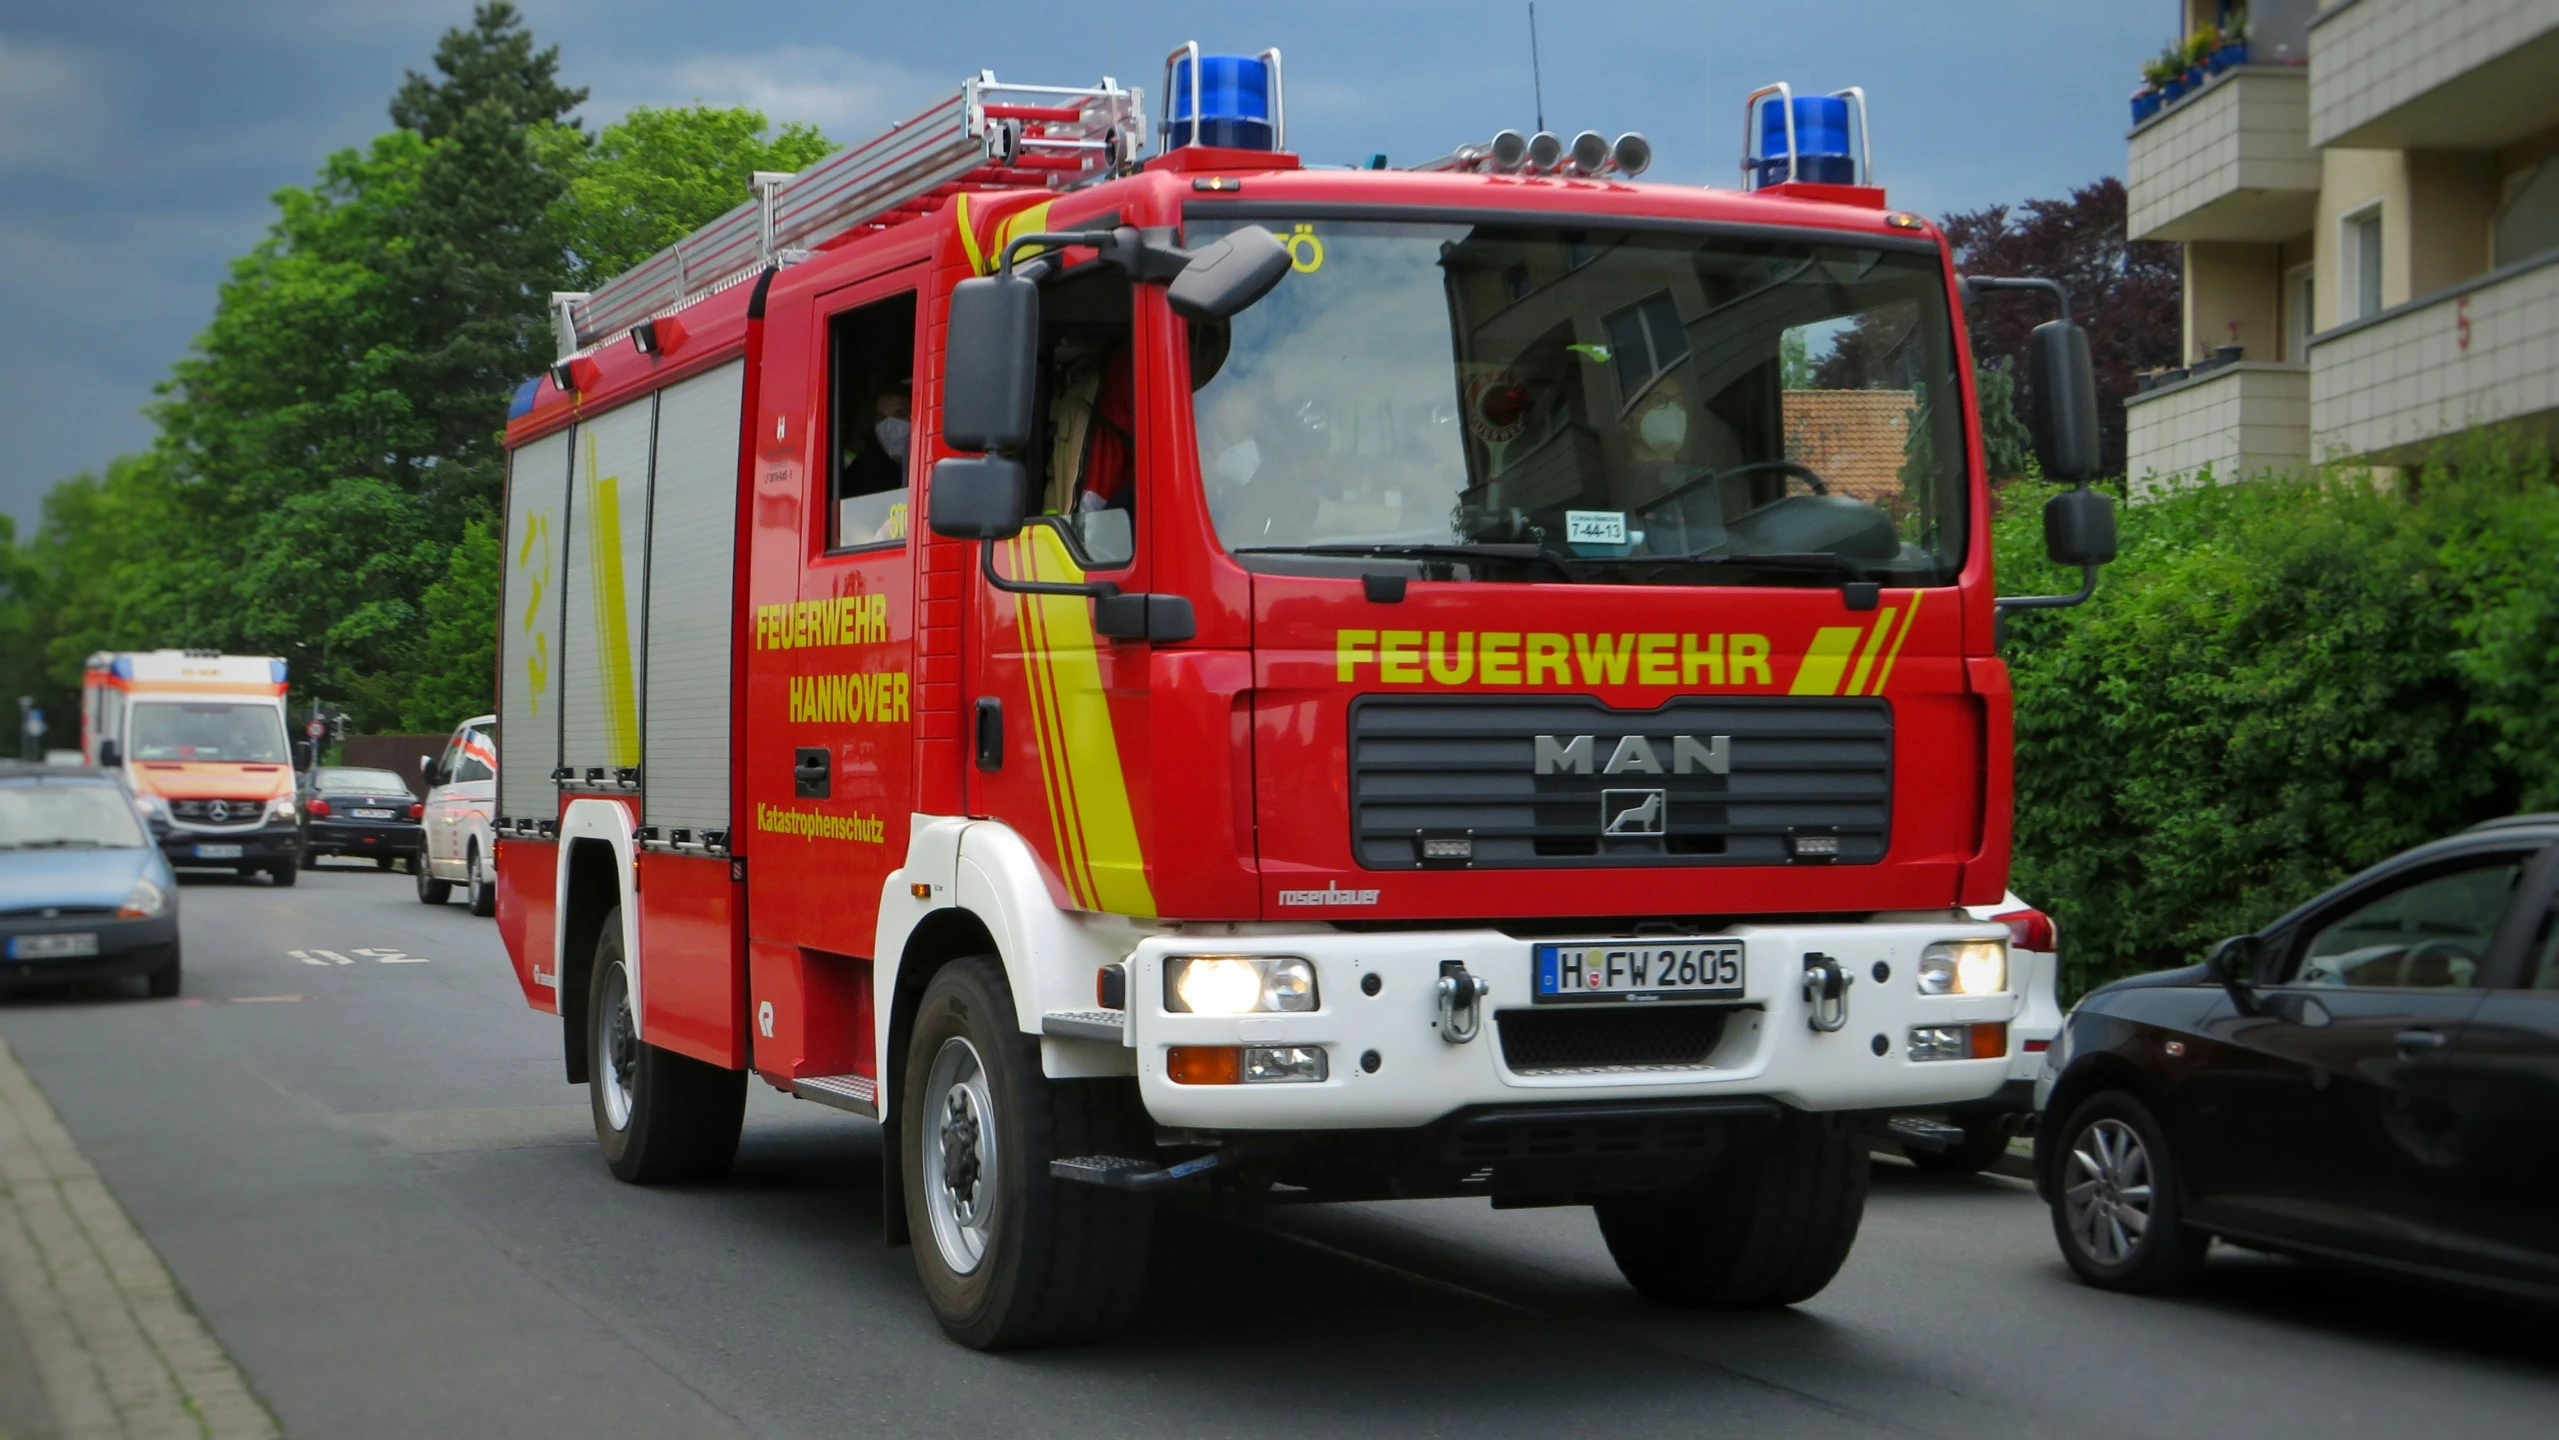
[(1461, 1002), (1826, 983)]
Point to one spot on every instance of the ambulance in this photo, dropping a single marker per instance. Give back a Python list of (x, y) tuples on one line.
[(199, 737)]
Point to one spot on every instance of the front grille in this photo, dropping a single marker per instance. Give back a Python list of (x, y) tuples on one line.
[(233, 812), (1609, 1037), (1445, 769)]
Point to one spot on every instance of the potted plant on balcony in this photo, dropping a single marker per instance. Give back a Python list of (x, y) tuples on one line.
[(2168, 73), (2197, 53), (2145, 102), (2230, 47)]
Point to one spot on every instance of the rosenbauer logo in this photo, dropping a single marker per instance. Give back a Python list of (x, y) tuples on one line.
[(1331, 894)]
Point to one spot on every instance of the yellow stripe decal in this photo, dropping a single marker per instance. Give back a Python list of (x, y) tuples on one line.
[(612, 618), (968, 233), (1895, 653), (1030, 221), (1826, 659), (1874, 642), (1045, 737), (1089, 793)]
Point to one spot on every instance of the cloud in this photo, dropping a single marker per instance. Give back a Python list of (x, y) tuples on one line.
[(848, 96), (55, 112)]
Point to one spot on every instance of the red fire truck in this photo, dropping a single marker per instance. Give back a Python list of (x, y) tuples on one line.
[(1145, 667)]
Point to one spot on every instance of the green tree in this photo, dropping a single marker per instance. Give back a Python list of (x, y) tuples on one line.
[(656, 175), (493, 61), (458, 656), (2007, 449)]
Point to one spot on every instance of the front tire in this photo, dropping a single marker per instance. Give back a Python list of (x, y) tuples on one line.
[(164, 982), (285, 872), (2117, 1211), (483, 891), (659, 1116), (1769, 1228), (1009, 1255), (432, 891)]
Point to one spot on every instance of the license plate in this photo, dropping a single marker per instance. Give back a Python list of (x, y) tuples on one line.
[(370, 814), (51, 947), (1697, 970), (217, 852)]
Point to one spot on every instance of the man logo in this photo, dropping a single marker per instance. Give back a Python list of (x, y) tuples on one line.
[(1634, 812), (1634, 754)]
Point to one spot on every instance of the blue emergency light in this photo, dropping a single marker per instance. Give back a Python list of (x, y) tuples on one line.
[(1230, 101), (1818, 145)]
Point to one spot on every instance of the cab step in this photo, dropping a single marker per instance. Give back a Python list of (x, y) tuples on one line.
[(1920, 1133), (1110, 1025), (1119, 1172), (859, 1094)]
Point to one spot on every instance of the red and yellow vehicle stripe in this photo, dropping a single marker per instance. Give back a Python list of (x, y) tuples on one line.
[(1098, 851), (1843, 658)]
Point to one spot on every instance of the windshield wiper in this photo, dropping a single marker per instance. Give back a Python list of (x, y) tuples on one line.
[(1394, 550), (1796, 562)]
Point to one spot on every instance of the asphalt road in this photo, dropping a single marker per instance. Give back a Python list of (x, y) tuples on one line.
[(370, 1180)]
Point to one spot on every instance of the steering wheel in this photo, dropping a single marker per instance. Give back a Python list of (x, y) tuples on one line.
[(1801, 472), (2452, 953)]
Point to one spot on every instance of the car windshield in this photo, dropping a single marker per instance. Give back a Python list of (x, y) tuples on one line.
[(1508, 402), (67, 815), (359, 782), (209, 730)]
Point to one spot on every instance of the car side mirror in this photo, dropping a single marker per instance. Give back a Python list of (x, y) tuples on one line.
[(2061, 400), (978, 497), (2079, 527), (2233, 964), (991, 379), (1225, 278), (110, 754), (302, 755), (426, 764)]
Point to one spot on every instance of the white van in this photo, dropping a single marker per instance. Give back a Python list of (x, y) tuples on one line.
[(462, 789)]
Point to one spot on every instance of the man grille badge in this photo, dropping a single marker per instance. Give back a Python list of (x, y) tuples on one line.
[(1634, 812)]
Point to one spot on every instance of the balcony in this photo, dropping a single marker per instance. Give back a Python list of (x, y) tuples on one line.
[(2483, 352), (2433, 74), (2238, 419), (2229, 162)]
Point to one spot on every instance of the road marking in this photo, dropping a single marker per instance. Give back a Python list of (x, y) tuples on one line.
[(380, 955), (393, 957), (266, 999), (333, 957)]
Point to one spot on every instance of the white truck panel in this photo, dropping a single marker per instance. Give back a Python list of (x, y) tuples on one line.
[(607, 565), (691, 584), (529, 627)]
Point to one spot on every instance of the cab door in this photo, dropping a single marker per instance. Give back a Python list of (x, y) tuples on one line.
[(437, 814), (2501, 1087), (1058, 715)]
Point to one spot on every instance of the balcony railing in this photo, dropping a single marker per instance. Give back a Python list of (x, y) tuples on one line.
[(2231, 162), (2239, 420), (2483, 352)]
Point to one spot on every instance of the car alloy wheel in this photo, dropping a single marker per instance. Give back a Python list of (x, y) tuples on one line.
[(2107, 1191), (958, 1155)]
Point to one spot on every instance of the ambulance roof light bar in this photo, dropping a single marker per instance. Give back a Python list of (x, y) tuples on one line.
[(1816, 139), (1234, 102)]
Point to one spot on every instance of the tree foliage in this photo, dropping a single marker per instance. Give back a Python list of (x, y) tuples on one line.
[(325, 480), (2278, 683)]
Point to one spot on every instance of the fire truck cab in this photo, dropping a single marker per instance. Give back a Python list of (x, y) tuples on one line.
[(1196, 673)]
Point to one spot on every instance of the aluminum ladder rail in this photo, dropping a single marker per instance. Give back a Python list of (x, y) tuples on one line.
[(987, 135)]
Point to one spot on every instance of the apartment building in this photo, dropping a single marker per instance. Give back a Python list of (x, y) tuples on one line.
[(2367, 197)]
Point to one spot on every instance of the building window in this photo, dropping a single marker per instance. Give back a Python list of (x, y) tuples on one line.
[(2301, 313), (2359, 280)]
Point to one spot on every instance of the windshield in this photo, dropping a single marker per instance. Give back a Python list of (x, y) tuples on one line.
[(359, 782), (212, 730), (1618, 407), (78, 815)]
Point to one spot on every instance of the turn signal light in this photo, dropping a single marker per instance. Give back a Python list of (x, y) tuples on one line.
[(1990, 1039), (2029, 930), (1205, 1064), (1981, 1040)]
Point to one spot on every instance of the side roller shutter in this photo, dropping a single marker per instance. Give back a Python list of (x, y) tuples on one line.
[(692, 567), (608, 548), (529, 628)]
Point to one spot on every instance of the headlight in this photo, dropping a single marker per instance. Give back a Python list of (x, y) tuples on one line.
[(1964, 967), (281, 809), (144, 901), (1237, 984), (153, 806)]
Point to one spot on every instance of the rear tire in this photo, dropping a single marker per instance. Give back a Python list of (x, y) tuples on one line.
[(2117, 1211), (432, 891), (1768, 1228), (1985, 1141), (483, 891), (310, 859), (1009, 1255), (659, 1116), (164, 982), (285, 872)]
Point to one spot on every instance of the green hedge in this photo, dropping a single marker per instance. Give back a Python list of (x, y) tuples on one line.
[(2279, 682)]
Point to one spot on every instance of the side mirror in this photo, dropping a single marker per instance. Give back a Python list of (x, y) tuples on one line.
[(2079, 527), (302, 756), (110, 754), (426, 764), (990, 380), (978, 497), (2061, 401), (2233, 963), (1225, 278)]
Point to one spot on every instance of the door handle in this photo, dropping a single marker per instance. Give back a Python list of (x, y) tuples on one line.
[(2414, 1042), (812, 773)]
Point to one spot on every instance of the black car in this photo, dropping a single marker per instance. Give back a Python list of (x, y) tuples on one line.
[(365, 813), (2374, 1077)]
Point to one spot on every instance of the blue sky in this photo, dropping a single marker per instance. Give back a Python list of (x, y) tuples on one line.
[(140, 139)]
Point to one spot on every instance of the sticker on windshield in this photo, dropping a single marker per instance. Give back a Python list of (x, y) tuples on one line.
[(1595, 527)]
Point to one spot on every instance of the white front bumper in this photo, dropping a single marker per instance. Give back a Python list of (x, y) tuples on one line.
[(1769, 1048)]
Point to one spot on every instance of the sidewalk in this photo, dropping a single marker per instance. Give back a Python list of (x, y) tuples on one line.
[(114, 1348)]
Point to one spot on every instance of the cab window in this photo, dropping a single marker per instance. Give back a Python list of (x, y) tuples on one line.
[(1088, 448), (871, 368), (2431, 933)]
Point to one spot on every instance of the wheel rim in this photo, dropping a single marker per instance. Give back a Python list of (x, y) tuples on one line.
[(620, 1052), (2107, 1191), (959, 1149), (479, 882)]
